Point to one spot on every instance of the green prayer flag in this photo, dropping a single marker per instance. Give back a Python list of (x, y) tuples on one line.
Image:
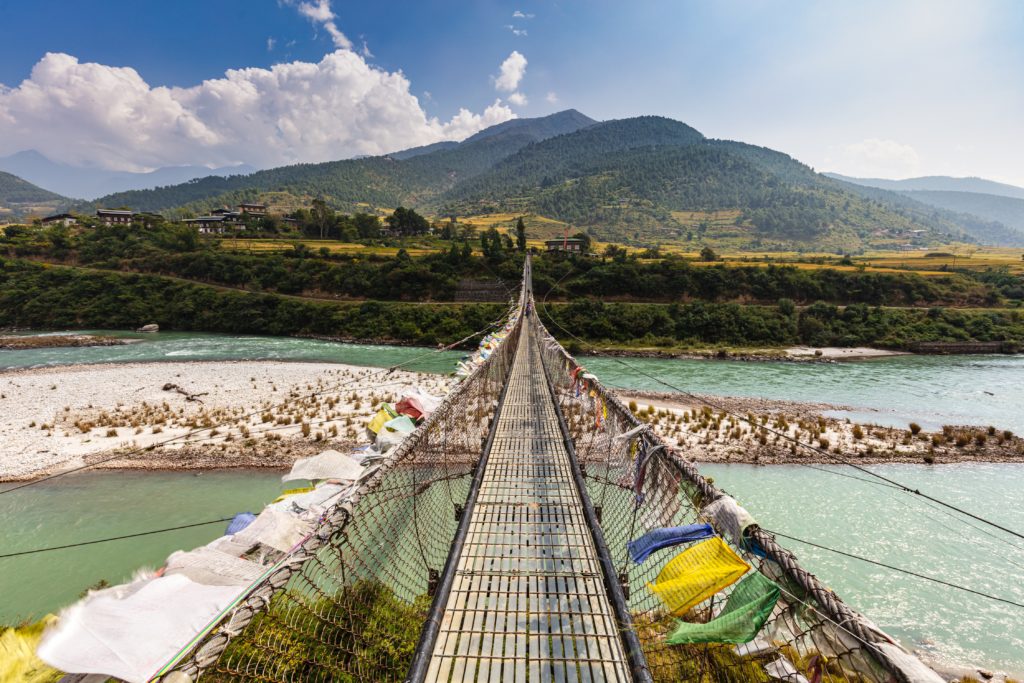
[(746, 611)]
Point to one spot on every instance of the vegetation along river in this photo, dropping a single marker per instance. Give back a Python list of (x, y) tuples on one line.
[(813, 504)]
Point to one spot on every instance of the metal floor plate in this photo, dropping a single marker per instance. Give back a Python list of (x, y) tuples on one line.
[(528, 602)]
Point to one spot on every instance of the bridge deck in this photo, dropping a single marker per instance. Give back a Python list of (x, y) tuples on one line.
[(528, 602)]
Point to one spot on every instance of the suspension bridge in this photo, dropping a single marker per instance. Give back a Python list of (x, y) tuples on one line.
[(532, 528)]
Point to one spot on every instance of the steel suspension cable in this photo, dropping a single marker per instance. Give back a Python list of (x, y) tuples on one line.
[(895, 484)]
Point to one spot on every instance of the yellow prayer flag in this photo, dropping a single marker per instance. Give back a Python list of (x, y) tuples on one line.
[(696, 574)]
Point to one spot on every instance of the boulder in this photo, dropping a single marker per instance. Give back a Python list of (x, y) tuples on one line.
[(152, 327)]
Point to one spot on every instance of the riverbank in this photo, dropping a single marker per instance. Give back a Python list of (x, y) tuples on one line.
[(19, 342), (794, 353), (194, 415), (723, 429), (254, 414)]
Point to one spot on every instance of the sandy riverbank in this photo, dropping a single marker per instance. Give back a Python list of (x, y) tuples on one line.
[(822, 354), (57, 418), (269, 413), (701, 427), (840, 353)]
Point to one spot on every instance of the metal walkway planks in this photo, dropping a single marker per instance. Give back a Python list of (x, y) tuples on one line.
[(528, 602)]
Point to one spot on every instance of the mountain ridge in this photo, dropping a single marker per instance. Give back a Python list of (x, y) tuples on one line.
[(19, 197), (937, 183), (90, 183), (643, 180)]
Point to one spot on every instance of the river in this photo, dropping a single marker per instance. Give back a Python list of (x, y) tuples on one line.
[(199, 346), (894, 390), (811, 504)]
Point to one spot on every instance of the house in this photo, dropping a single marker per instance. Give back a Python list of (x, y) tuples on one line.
[(573, 245), (115, 216), (208, 225), (228, 215), (64, 219), (253, 209)]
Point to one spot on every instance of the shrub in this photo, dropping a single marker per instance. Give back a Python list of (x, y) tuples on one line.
[(858, 433), (915, 428)]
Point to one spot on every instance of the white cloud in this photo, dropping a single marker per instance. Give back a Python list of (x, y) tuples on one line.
[(518, 99), (511, 72), (320, 12), (270, 44), (519, 32), (519, 14), (551, 97), (98, 115), (876, 157)]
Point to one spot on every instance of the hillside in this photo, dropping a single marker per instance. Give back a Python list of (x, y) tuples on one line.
[(644, 180), (19, 198), (409, 177), (989, 219), (652, 179), (938, 183), (1007, 210)]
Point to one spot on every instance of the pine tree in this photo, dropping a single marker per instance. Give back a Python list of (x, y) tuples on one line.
[(520, 234)]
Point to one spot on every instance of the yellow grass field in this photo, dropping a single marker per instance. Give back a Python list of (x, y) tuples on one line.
[(265, 246), (974, 258)]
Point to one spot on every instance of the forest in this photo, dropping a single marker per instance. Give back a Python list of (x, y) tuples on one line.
[(176, 250), (58, 297)]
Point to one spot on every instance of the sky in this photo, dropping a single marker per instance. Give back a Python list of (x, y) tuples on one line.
[(880, 88)]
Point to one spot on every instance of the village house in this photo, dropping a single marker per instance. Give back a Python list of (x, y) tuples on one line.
[(210, 225), (573, 245), (65, 219), (229, 215), (115, 216), (253, 209)]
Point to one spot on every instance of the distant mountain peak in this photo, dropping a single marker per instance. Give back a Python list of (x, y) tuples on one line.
[(532, 129), (91, 182)]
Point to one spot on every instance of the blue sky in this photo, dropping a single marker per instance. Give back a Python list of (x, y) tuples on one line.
[(867, 88)]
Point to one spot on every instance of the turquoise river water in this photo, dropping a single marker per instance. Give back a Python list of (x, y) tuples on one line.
[(816, 505)]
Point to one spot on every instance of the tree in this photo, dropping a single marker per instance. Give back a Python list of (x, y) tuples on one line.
[(367, 225), (708, 254), (585, 241), (322, 217), (491, 245), (520, 234), (407, 222)]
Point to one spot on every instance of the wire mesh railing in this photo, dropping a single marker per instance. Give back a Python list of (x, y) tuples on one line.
[(348, 604), (639, 484)]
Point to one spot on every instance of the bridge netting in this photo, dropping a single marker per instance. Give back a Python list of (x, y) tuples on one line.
[(351, 603)]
